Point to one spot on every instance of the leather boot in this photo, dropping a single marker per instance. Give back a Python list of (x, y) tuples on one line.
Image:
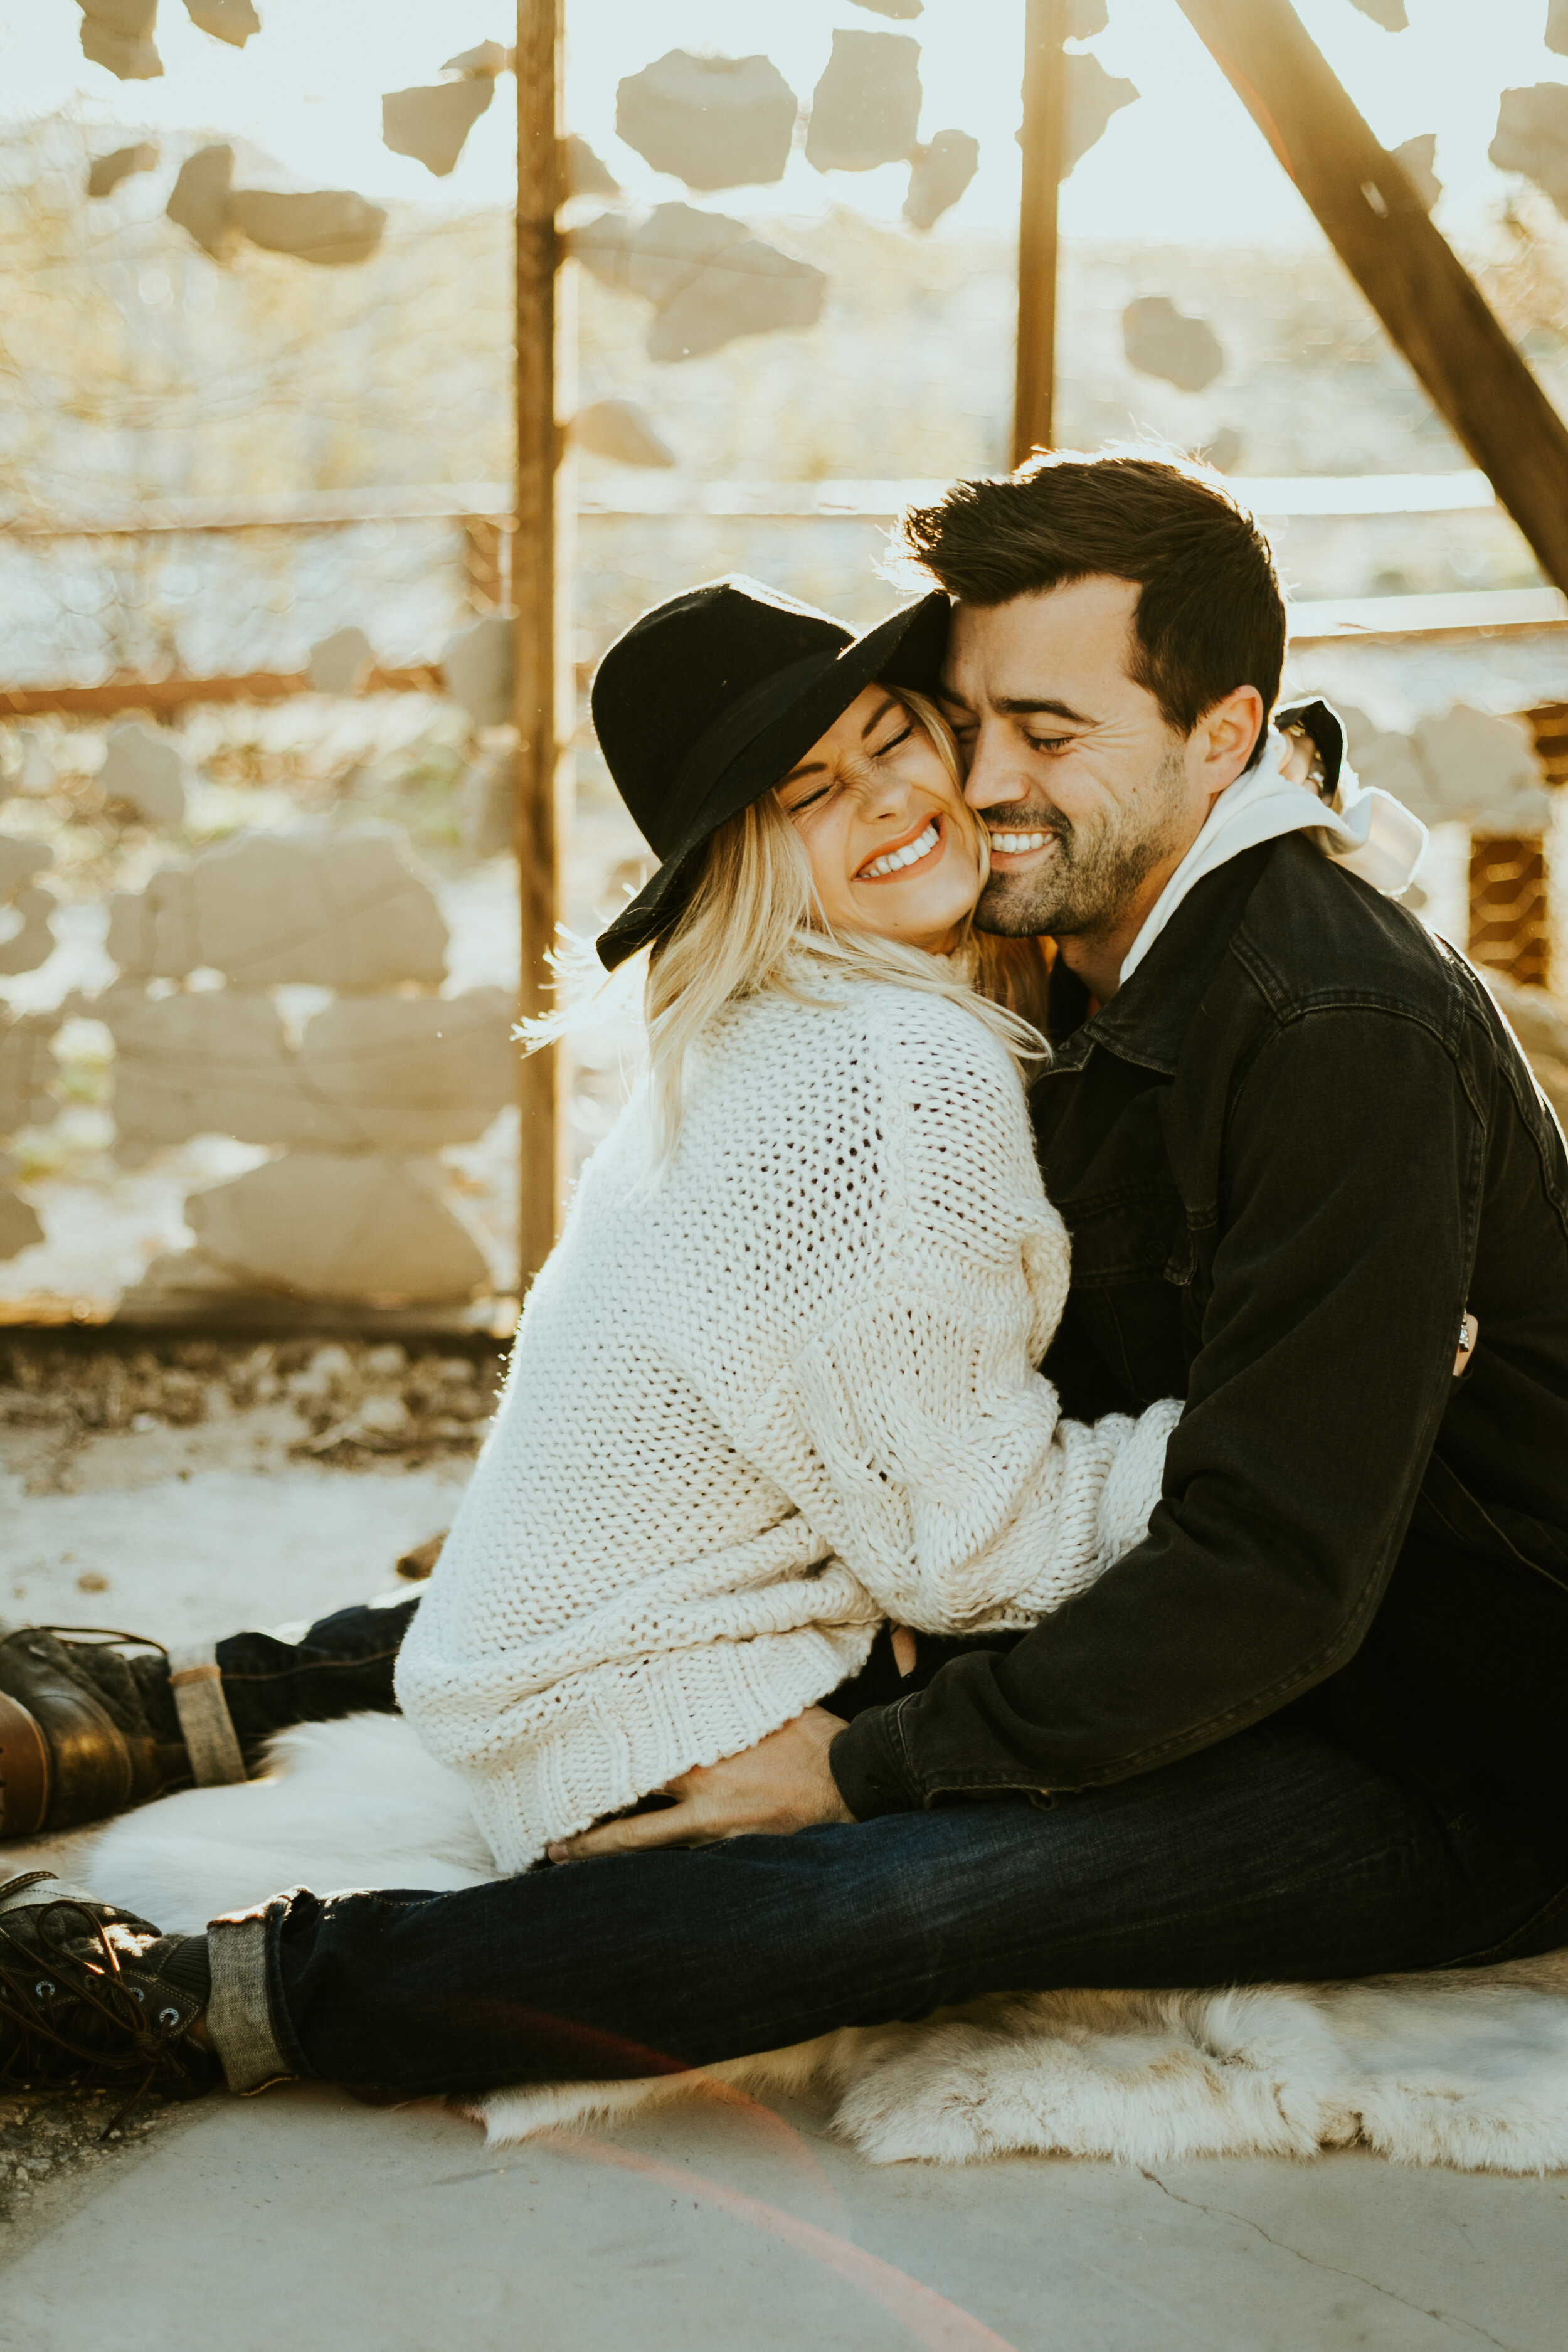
[(64, 1759)]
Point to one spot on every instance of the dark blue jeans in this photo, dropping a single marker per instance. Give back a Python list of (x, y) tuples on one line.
[(1275, 1854)]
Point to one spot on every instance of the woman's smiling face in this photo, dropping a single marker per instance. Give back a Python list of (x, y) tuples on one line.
[(893, 849)]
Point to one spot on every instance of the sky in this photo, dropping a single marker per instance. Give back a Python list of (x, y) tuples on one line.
[(1183, 165)]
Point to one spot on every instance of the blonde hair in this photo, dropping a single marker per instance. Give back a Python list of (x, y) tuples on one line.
[(754, 922)]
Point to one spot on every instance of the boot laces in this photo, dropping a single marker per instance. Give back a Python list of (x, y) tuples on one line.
[(76, 2015)]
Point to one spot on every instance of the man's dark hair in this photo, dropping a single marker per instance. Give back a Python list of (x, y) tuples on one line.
[(1211, 617)]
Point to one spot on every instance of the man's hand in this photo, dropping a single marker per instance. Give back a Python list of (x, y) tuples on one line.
[(781, 1785)]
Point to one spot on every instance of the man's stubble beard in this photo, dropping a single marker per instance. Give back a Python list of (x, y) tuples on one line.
[(1085, 888)]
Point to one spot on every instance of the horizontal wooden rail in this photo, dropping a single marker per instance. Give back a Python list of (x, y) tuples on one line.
[(176, 693)]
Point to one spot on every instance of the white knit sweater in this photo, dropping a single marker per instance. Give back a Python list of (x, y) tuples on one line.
[(761, 1402)]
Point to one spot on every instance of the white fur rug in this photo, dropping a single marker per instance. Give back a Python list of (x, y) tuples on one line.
[(1467, 2069)]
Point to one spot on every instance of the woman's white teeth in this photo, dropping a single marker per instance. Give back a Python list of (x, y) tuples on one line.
[(1009, 844), (897, 859)]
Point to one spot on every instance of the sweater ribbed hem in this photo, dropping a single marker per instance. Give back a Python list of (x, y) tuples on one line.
[(650, 1723)]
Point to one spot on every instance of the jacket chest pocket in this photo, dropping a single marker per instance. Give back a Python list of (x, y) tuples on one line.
[(1135, 1279)]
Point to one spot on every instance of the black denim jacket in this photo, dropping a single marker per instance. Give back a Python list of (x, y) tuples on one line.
[(1290, 1151)]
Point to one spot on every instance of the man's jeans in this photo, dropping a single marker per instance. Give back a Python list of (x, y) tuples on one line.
[(1273, 1854)]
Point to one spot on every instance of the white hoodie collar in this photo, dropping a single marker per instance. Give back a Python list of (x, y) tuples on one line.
[(1364, 830)]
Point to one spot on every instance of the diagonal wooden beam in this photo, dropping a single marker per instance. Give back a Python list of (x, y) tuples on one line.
[(1433, 311)]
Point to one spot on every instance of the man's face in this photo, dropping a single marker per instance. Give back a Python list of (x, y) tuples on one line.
[(1085, 789)]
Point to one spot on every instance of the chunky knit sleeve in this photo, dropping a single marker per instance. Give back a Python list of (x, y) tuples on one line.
[(910, 1426)]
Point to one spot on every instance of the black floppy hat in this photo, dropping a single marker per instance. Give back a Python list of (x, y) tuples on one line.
[(710, 701)]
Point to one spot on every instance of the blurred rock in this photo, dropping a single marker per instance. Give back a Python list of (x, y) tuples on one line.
[(714, 122), (751, 288), (1540, 1021), (341, 664), (142, 766), (204, 1062), (329, 1227), (487, 809), (586, 175), (331, 226), (406, 1073), (901, 9), (153, 932), (488, 59), (431, 124), (1482, 771), (866, 110), (27, 1070), (1389, 762), (1532, 138), (1093, 96), (1160, 341), (341, 910), (105, 171), (479, 667), (119, 34), (1389, 14), (233, 21), (1417, 155), (1557, 27), (1085, 19), (26, 936), (199, 202), (19, 861), (411, 1073), (19, 1226), (34, 774), (1223, 452), (621, 430), (939, 175), (672, 245)]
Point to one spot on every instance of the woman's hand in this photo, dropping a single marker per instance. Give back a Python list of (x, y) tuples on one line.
[(781, 1785)]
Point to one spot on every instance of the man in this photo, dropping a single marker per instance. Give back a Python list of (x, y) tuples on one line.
[(1313, 1726)]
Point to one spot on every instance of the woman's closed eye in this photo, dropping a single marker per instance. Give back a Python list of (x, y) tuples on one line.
[(893, 741)]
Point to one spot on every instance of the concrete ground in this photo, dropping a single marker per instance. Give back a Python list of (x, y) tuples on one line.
[(303, 2219)]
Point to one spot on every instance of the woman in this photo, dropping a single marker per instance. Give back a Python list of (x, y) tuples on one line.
[(776, 1384)]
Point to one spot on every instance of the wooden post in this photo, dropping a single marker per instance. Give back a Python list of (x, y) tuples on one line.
[(544, 715), (1433, 311), (1041, 138)]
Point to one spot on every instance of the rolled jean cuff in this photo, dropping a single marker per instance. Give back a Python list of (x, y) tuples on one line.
[(239, 2019)]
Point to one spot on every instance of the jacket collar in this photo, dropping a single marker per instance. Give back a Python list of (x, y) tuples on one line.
[(1148, 1019)]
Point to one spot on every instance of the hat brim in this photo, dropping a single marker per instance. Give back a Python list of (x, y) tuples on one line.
[(905, 649)]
